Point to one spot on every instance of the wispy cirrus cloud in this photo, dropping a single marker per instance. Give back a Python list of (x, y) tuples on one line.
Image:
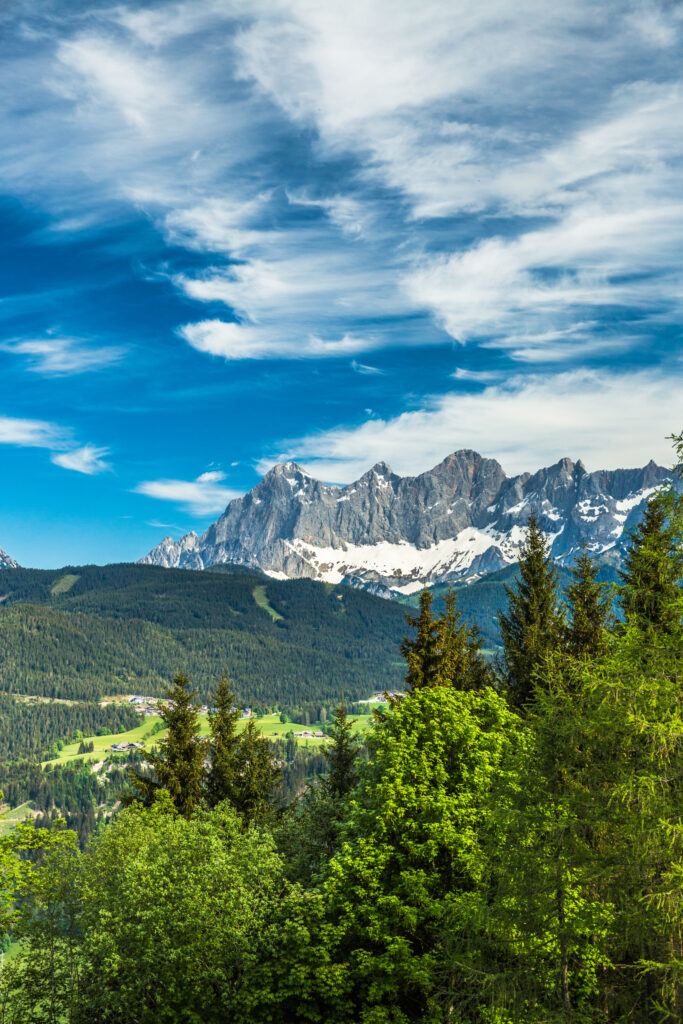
[(27, 433), (204, 496), (65, 452), (243, 341), (62, 357), (442, 113), (89, 459), (325, 181)]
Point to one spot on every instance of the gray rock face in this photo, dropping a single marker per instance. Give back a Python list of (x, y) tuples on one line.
[(6, 562), (459, 521)]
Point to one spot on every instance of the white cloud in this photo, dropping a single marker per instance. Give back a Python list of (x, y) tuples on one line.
[(240, 341), (365, 370), (57, 357), (607, 419), (219, 224), (530, 115), (553, 275), (203, 497), (420, 95), (351, 216), (58, 440), (31, 433), (89, 459), (459, 109)]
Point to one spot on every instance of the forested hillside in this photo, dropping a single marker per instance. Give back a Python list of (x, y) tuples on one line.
[(481, 602), (85, 632), (90, 631), (510, 851)]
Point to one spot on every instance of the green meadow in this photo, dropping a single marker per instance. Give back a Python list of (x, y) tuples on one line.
[(269, 725)]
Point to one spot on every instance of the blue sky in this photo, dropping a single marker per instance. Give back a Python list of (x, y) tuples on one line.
[(234, 233)]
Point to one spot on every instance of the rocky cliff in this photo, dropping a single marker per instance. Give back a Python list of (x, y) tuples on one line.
[(6, 562), (459, 521)]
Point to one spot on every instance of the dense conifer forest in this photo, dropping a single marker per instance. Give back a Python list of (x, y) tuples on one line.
[(507, 849), (82, 633)]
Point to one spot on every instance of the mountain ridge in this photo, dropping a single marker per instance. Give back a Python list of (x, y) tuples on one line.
[(395, 534), (7, 562)]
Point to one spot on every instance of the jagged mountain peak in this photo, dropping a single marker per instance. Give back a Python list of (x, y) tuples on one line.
[(380, 473), (460, 520), (7, 562), (287, 469)]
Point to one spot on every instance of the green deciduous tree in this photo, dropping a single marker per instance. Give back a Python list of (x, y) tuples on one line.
[(173, 913), (412, 863), (532, 627)]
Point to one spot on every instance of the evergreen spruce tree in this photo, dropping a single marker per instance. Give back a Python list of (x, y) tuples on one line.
[(460, 661), (589, 609), (223, 718), (533, 625), (653, 566), (178, 768), (422, 653), (257, 775), (341, 755)]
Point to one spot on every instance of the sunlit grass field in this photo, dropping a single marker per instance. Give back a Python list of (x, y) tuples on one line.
[(269, 725)]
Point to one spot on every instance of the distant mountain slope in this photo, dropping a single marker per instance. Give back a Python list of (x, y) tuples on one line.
[(460, 521), (480, 602), (6, 562), (83, 632)]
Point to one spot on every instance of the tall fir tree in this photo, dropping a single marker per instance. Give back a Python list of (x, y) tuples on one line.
[(341, 754), (460, 661), (422, 652), (533, 625), (653, 566), (179, 767), (589, 609), (257, 775), (223, 718)]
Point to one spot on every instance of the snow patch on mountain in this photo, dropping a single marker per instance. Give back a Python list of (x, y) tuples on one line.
[(392, 534), (6, 562)]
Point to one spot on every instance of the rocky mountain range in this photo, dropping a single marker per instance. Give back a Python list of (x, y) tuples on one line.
[(6, 562), (390, 534)]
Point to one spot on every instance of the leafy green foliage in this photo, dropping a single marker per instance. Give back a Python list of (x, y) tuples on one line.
[(412, 864), (480, 867)]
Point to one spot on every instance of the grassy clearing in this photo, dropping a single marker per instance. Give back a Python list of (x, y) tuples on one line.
[(10, 817), (269, 725), (262, 601), (64, 584), (101, 744)]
